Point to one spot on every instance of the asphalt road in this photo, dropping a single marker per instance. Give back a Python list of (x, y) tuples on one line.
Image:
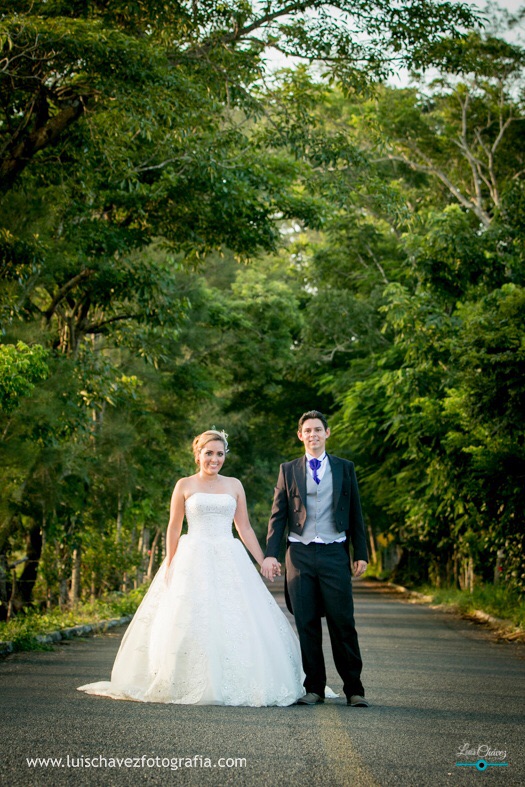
[(436, 683)]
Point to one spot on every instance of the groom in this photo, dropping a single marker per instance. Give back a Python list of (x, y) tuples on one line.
[(317, 500)]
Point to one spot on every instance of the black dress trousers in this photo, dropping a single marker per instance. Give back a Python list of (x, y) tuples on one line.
[(320, 582)]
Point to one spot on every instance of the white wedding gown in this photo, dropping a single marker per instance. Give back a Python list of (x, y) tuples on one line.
[(208, 631)]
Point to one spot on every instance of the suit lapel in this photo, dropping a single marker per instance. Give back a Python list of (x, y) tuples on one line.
[(337, 477), (299, 472)]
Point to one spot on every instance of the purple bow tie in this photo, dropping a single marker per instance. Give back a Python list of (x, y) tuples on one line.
[(315, 464)]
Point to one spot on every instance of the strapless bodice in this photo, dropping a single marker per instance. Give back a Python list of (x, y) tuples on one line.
[(210, 515)]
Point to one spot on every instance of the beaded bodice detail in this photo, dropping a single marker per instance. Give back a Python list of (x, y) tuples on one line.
[(210, 515)]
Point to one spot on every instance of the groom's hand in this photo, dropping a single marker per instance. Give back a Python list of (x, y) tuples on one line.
[(359, 567), (270, 568)]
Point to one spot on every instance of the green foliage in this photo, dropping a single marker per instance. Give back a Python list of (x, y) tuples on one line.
[(21, 367)]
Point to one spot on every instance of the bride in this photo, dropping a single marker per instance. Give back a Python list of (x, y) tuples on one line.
[(208, 631)]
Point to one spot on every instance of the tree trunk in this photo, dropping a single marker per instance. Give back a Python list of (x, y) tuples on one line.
[(20, 155), (64, 595), (23, 587), (143, 549), (13, 607), (470, 571), (4, 587), (498, 568), (467, 574), (153, 554), (119, 517), (373, 550), (74, 593)]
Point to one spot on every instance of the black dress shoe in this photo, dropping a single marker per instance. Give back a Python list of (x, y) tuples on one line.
[(357, 701), (311, 698)]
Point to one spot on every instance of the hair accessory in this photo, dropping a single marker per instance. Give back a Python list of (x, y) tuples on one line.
[(223, 434)]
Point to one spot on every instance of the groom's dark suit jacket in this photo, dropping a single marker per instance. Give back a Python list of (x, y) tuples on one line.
[(289, 505)]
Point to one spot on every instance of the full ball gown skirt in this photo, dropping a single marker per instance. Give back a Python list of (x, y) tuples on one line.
[(207, 632)]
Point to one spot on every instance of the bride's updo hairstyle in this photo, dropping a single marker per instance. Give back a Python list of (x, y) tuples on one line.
[(208, 437)]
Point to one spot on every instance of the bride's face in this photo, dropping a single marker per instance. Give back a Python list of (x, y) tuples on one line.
[(211, 457)]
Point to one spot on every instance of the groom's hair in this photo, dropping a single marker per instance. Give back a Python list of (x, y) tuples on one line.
[(312, 414)]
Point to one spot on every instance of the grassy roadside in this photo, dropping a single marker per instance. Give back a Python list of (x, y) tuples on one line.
[(498, 601), (23, 629)]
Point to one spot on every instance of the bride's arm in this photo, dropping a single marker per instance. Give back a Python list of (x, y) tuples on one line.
[(244, 529), (176, 519)]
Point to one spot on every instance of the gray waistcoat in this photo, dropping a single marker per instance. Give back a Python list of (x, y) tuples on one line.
[(320, 519)]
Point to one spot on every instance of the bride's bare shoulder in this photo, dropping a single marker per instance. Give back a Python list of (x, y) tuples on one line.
[(235, 487), (183, 486)]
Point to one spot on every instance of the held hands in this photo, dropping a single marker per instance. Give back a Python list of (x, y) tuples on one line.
[(360, 567), (270, 568)]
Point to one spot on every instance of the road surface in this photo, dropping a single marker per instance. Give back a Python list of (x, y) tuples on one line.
[(442, 691)]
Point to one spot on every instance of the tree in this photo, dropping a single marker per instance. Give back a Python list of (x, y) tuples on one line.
[(467, 132), (131, 147), (433, 415), (63, 63)]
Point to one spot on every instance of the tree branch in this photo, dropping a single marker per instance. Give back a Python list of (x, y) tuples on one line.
[(431, 169), (63, 291), (14, 163)]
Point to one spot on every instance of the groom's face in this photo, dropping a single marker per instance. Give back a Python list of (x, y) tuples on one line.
[(314, 436)]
